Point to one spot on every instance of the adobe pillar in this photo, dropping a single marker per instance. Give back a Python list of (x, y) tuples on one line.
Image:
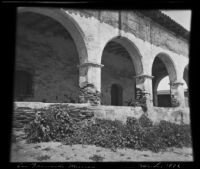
[(144, 84), (177, 94), (90, 83)]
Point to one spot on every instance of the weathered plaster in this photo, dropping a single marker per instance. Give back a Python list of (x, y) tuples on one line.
[(54, 61), (138, 25), (96, 28)]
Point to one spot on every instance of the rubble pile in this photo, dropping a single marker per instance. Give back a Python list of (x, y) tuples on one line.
[(22, 116), (89, 94), (57, 122)]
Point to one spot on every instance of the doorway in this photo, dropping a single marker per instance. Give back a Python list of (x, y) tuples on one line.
[(116, 95)]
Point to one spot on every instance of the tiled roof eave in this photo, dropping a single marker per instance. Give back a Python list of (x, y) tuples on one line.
[(167, 22)]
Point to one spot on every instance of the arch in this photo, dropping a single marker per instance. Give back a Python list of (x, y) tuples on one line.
[(185, 74), (156, 82), (122, 61), (116, 95), (162, 66), (169, 65), (185, 77), (68, 23), (133, 51)]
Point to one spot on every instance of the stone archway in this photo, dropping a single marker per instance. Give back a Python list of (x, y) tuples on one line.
[(155, 85), (185, 75), (122, 62), (162, 66), (51, 44), (132, 50), (186, 78), (67, 22)]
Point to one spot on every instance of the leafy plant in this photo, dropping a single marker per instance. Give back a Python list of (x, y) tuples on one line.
[(55, 123), (60, 123)]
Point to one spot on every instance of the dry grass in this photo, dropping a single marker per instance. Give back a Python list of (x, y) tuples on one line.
[(57, 152)]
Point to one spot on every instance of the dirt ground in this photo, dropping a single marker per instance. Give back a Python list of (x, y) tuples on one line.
[(57, 152)]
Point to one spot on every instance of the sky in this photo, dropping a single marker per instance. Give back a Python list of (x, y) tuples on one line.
[(183, 17), (164, 84)]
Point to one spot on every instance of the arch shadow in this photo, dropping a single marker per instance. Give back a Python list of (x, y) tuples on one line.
[(67, 22), (186, 74), (171, 72), (169, 65), (133, 51)]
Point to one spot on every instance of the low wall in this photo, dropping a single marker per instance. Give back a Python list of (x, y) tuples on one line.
[(175, 115), (40, 105), (24, 112), (116, 112)]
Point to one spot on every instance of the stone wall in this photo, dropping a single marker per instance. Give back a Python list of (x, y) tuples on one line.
[(53, 61)]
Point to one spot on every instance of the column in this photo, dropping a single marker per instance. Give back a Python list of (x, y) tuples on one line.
[(144, 91), (155, 83), (177, 94), (90, 83)]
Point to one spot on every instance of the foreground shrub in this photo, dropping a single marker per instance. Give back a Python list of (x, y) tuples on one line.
[(56, 123), (60, 123)]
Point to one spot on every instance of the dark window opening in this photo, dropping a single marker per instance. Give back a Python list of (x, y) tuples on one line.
[(23, 85), (164, 100), (116, 95)]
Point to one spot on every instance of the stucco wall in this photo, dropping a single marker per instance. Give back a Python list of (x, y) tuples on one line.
[(97, 28), (117, 70), (54, 61), (141, 26)]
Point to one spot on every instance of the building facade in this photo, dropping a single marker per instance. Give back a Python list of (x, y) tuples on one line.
[(98, 56)]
